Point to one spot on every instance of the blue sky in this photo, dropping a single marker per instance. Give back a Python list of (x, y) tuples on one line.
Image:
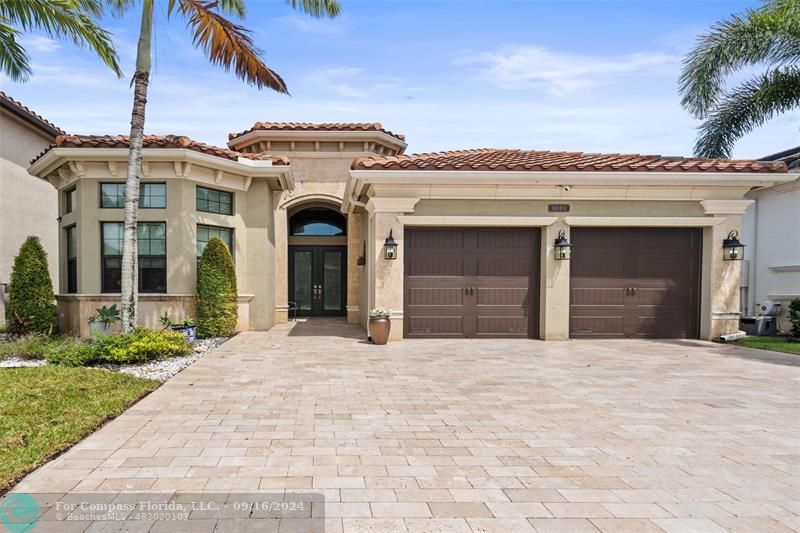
[(594, 75)]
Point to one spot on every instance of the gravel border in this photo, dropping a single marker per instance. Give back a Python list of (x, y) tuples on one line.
[(160, 370)]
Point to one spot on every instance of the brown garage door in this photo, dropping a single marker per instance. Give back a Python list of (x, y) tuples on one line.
[(471, 282), (635, 282)]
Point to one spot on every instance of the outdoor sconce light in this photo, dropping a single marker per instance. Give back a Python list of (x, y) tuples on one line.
[(562, 247), (732, 249), (390, 247)]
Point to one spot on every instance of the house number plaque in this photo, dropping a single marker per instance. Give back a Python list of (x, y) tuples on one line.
[(558, 208)]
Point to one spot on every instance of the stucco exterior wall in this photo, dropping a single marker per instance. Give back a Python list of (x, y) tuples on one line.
[(254, 245), (27, 204), (772, 251)]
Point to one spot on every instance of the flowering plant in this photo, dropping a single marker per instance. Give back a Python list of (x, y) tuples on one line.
[(380, 312)]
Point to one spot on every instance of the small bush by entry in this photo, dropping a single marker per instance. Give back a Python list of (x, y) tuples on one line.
[(216, 291), (31, 303)]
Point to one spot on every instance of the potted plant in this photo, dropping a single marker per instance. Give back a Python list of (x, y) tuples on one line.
[(101, 322), (186, 326), (379, 325)]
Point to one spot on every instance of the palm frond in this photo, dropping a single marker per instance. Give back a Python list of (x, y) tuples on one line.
[(317, 8), (13, 59), (770, 35), (747, 107), (63, 19), (228, 45)]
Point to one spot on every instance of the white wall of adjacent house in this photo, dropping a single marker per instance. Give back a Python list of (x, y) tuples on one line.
[(771, 233), (28, 205)]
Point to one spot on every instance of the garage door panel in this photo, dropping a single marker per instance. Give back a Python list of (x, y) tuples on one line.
[(494, 326), (435, 326), (610, 325), (488, 278), (662, 264), (436, 296), (598, 296), (437, 264)]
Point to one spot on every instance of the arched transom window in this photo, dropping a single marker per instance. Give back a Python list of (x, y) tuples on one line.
[(317, 222)]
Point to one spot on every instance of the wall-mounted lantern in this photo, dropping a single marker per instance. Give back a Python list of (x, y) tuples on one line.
[(390, 247), (562, 247), (732, 249)]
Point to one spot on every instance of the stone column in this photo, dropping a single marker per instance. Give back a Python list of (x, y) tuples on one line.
[(386, 282), (281, 232), (554, 287), (720, 299), (355, 245)]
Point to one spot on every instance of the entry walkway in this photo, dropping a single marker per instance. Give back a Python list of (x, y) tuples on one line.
[(461, 435)]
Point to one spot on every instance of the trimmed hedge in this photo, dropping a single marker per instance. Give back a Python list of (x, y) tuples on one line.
[(216, 291), (31, 303), (794, 316)]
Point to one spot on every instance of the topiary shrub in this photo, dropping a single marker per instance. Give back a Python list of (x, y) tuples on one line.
[(31, 303), (216, 291)]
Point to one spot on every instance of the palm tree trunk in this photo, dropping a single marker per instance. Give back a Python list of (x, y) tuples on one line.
[(141, 79)]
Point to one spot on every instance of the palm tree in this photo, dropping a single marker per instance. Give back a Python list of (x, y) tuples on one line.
[(767, 36), (226, 44), (61, 19)]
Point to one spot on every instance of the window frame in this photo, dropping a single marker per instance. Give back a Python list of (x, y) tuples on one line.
[(220, 191), (72, 262), (141, 194), (142, 186), (231, 249), (103, 256), (69, 205)]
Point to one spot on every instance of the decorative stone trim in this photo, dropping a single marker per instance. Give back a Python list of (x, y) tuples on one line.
[(644, 221), (475, 221), (725, 207), (391, 205)]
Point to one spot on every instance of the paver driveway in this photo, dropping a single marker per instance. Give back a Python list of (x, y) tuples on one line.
[(466, 435)]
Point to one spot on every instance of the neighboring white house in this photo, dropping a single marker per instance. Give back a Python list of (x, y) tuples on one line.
[(27, 205), (771, 233)]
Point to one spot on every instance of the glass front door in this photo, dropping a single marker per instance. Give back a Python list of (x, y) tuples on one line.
[(317, 280)]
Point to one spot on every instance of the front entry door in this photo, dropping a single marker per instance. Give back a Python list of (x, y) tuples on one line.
[(317, 280)]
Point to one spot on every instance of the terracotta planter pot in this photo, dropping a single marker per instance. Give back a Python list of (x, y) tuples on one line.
[(379, 330)]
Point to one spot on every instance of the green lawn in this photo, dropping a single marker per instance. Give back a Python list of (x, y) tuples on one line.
[(778, 344), (45, 410)]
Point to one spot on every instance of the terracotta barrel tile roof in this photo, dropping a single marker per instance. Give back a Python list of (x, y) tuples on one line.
[(540, 160), (156, 141), (324, 126), (27, 111)]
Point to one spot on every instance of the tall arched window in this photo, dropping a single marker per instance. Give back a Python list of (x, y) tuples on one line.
[(317, 222)]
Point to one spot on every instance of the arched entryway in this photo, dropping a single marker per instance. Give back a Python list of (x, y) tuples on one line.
[(317, 261)]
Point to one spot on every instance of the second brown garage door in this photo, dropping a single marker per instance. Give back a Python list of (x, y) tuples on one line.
[(635, 282), (471, 282)]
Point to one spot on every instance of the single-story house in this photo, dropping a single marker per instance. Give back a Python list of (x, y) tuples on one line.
[(771, 227), (335, 219), (27, 206)]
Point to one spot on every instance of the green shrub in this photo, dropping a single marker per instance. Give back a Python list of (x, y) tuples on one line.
[(140, 346), (71, 353), (794, 316), (216, 291), (31, 304), (27, 347)]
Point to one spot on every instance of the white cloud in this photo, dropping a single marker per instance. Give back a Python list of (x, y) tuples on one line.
[(40, 43), (348, 82), (536, 67)]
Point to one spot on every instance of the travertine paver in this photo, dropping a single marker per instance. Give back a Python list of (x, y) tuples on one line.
[(465, 435)]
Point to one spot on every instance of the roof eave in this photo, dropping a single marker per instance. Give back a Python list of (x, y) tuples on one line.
[(55, 157)]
